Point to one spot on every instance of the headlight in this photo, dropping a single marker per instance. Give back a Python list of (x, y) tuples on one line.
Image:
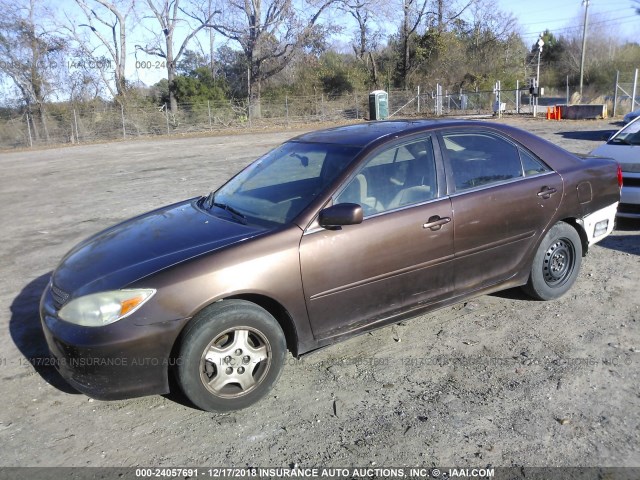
[(99, 309)]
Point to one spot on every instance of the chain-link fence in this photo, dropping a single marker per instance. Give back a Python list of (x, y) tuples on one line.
[(625, 96), (70, 123)]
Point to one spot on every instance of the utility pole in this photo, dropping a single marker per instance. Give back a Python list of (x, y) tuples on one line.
[(584, 42)]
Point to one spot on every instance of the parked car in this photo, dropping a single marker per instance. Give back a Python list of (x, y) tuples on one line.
[(631, 116), (329, 235), (624, 146)]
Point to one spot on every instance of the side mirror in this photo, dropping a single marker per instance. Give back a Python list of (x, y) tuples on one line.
[(340, 214)]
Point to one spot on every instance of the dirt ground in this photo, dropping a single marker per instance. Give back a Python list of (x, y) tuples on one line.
[(500, 380)]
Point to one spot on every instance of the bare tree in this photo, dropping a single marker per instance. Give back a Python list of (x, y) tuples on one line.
[(169, 15), (365, 42), (208, 51), (414, 13), (492, 44), (31, 56), (362, 13), (440, 8), (83, 85), (270, 32), (601, 50), (107, 22)]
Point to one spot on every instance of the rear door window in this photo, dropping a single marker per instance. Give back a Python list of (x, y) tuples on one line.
[(478, 159)]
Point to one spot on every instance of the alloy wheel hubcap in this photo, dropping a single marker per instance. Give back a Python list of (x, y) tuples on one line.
[(235, 362)]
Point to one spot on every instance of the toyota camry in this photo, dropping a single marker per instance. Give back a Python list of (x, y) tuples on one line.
[(329, 235)]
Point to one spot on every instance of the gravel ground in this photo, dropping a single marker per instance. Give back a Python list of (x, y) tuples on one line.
[(500, 380)]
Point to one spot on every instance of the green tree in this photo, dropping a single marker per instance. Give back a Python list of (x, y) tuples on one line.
[(553, 47), (197, 86)]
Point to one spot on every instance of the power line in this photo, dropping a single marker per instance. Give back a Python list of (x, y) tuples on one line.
[(617, 20), (599, 12)]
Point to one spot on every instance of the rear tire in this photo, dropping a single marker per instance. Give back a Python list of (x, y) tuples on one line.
[(231, 355), (556, 264)]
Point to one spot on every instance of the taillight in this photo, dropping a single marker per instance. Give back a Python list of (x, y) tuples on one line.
[(619, 176)]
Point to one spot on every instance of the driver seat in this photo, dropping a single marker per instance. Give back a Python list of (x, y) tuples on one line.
[(357, 192)]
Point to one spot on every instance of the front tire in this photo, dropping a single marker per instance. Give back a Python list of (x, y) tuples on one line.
[(231, 355), (556, 264)]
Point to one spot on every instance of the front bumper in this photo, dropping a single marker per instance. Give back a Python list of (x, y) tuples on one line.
[(121, 360)]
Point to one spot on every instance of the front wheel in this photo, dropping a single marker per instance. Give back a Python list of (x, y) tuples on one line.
[(231, 355), (556, 264)]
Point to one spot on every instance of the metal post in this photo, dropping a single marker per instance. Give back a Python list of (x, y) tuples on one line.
[(584, 43), (633, 95), (517, 97), (29, 130), (166, 111), (322, 107), (209, 109), (567, 89), (124, 131), (615, 93), (357, 109), (286, 108), (418, 98), (75, 118), (436, 99), (249, 96)]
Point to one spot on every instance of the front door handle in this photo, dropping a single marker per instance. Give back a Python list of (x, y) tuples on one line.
[(546, 192), (436, 222)]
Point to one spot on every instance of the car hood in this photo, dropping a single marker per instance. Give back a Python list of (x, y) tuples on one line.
[(628, 156), (143, 245)]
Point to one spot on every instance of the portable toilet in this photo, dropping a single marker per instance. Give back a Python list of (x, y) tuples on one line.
[(378, 105)]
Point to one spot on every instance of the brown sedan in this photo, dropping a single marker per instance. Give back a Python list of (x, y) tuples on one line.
[(329, 235)]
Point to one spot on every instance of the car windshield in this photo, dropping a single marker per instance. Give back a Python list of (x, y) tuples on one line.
[(278, 186), (629, 135)]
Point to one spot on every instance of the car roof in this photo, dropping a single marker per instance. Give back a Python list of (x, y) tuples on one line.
[(369, 134), (362, 134)]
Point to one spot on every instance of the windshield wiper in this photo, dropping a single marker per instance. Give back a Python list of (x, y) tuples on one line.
[(230, 209), (235, 213), (209, 201), (619, 140)]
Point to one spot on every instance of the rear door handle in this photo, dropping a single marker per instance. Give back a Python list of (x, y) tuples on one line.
[(436, 222), (546, 192)]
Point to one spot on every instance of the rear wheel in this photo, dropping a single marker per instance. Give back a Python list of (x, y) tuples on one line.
[(231, 355), (556, 264)]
